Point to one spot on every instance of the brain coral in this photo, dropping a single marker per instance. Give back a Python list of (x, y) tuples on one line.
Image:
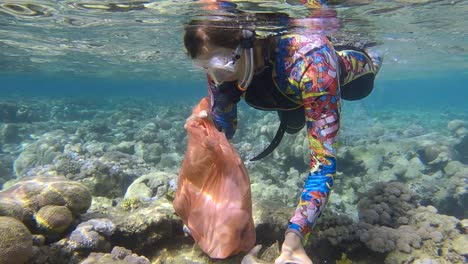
[(28, 200), (15, 241), (54, 218)]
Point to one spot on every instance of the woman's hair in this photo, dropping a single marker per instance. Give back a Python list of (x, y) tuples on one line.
[(225, 34), (226, 31)]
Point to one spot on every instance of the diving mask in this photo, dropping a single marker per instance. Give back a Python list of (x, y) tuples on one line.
[(221, 67)]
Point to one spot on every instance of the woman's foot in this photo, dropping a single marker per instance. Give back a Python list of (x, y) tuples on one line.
[(376, 57)]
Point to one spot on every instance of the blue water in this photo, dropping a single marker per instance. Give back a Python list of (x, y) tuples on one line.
[(64, 86), (429, 94)]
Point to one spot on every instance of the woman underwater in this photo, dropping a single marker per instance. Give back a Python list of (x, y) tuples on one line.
[(300, 75)]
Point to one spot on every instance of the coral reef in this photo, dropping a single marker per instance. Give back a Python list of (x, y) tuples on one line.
[(6, 171), (150, 223), (105, 172), (15, 241), (18, 112), (130, 204), (390, 151), (145, 226), (383, 239), (462, 148), (457, 127), (106, 169), (36, 201), (386, 204), (118, 255), (41, 152), (155, 185), (391, 177), (392, 223), (270, 219), (91, 235), (430, 236), (9, 133)]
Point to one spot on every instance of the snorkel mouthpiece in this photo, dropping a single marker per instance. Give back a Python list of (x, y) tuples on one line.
[(247, 43)]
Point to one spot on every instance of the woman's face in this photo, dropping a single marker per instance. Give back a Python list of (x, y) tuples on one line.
[(222, 64)]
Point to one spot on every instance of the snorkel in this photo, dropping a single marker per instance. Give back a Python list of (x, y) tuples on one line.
[(247, 43)]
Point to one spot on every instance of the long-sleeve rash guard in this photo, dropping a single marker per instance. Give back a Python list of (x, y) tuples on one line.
[(308, 71)]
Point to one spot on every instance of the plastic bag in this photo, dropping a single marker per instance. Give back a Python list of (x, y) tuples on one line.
[(213, 194)]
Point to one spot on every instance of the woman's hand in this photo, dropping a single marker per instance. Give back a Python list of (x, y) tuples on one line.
[(196, 117), (292, 251)]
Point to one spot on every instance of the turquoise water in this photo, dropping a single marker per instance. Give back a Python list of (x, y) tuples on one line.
[(56, 47), (432, 94), (38, 85)]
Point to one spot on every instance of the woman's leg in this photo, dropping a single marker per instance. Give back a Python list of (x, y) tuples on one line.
[(358, 70)]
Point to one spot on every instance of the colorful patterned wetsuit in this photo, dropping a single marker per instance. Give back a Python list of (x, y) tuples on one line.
[(309, 72)]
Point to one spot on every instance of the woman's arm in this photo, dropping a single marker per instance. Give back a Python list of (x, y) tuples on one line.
[(320, 94), (224, 99)]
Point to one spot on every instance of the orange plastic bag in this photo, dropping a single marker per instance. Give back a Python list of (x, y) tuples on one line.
[(213, 194)]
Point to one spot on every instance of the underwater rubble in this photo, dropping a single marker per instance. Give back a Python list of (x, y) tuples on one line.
[(88, 181)]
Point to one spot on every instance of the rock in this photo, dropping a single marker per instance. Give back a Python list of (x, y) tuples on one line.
[(9, 133), (100, 203), (155, 184), (119, 255), (188, 253), (430, 153), (377, 131), (415, 169), (400, 166), (149, 152), (127, 147), (99, 128), (105, 172), (49, 146), (170, 160), (141, 228), (460, 245), (6, 171), (455, 124), (8, 112), (15, 241), (464, 224), (462, 149), (147, 134), (91, 235), (38, 240), (270, 220)]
